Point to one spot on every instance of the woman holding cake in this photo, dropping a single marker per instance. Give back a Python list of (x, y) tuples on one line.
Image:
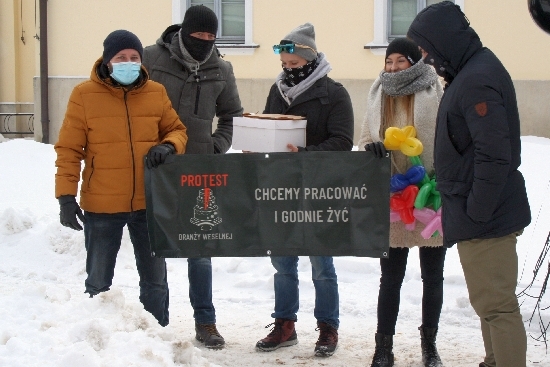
[(304, 89)]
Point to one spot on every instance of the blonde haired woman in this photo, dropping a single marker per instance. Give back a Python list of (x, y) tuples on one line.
[(407, 92)]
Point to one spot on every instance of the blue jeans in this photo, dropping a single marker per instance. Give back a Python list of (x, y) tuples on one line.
[(200, 289), (102, 236), (325, 283)]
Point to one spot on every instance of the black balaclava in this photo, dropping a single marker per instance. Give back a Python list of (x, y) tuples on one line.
[(294, 76), (198, 18)]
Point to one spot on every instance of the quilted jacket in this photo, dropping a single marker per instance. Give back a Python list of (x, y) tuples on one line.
[(111, 129)]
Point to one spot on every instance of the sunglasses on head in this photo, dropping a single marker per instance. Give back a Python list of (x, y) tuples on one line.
[(289, 47)]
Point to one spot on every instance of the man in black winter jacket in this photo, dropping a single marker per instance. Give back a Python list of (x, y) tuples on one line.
[(200, 86), (476, 157)]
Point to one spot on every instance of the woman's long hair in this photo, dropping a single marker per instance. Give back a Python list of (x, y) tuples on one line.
[(388, 109)]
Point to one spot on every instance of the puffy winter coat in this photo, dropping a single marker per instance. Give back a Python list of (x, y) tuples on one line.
[(477, 141), (112, 129), (326, 105), (196, 98)]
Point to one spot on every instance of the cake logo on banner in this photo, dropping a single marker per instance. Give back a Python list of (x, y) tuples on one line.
[(205, 210)]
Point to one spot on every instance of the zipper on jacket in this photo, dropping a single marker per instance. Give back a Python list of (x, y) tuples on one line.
[(92, 173), (197, 79), (132, 151)]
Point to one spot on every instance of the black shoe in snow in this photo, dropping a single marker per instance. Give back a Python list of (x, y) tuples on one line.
[(430, 356), (383, 355)]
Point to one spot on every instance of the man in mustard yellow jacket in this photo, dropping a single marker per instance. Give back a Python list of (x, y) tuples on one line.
[(112, 122)]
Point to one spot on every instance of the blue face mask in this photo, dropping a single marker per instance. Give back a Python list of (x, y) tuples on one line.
[(126, 72)]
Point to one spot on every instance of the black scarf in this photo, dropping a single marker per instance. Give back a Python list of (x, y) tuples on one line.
[(294, 76), (198, 48)]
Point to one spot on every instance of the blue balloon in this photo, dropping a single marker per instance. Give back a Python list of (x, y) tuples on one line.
[(414, 175)]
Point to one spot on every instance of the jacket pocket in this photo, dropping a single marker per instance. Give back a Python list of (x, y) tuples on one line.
[(453, 168), (458, 132), (91, 172)]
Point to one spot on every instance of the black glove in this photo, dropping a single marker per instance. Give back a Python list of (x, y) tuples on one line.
[(69, 211), (157, 154), (378, 149)]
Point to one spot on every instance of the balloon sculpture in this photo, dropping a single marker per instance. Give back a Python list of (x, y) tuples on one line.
[(413, 192), (403, 139)]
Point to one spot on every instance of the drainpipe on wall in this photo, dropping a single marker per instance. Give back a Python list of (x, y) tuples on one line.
[(44, 110)]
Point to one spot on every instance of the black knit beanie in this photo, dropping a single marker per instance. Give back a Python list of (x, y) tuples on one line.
[(199, 18), (120, 40), (405, 47)]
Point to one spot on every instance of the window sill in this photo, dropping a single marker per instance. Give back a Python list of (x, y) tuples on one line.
[(237, 48), (376, 48)]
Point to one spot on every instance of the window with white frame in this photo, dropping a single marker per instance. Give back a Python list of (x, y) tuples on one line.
[(401, 13), (231, 18), (392, 19)]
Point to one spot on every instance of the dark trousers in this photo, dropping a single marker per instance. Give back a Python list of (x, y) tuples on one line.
[(393, 272), (102, 236)]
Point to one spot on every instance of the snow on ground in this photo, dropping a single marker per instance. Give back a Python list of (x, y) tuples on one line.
[(47, 320)]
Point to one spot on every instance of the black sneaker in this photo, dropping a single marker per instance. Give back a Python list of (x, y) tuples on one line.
[(328, 340), (209, 335), (283, 334)]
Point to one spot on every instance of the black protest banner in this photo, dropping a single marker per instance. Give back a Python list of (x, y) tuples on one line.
[(280, 204)]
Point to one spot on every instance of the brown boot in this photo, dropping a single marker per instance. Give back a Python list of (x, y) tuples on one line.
[(283, 334), (209, 335), (328, 340)]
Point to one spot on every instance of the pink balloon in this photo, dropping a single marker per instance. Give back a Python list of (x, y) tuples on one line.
[(424, 215), (396, 217), (431, 219)]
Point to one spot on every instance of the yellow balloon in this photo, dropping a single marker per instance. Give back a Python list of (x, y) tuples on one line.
[(409, 131), (412, 147), (403, 139), (393, 138)]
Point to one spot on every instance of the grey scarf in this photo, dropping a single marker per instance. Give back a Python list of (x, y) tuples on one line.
[(409, 81), (187, 60), (290, 93)]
